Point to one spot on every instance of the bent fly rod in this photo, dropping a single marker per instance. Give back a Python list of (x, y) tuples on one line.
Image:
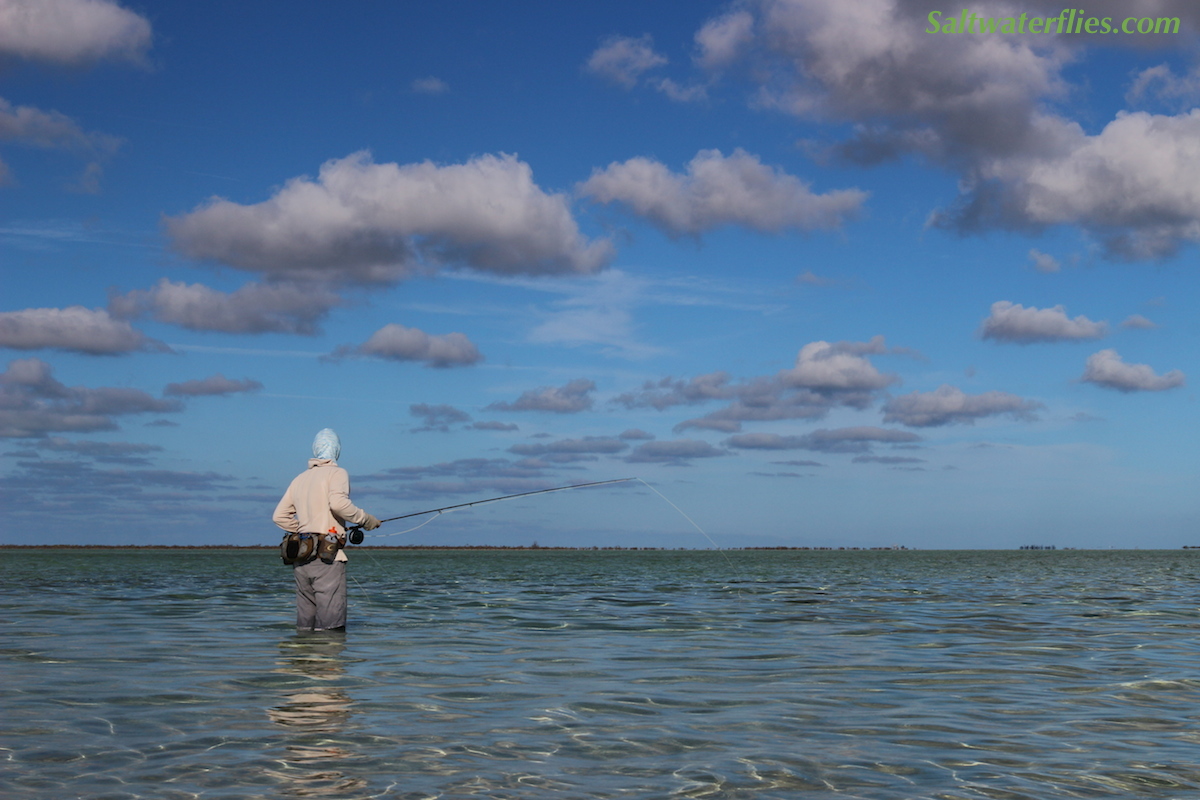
[(355, 532)]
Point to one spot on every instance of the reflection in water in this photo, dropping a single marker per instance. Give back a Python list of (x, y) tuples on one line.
[(315, 708)]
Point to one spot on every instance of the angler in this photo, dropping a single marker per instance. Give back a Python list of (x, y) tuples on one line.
[(314, 511)]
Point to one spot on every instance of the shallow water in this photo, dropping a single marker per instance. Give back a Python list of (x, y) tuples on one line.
[(605, 674)]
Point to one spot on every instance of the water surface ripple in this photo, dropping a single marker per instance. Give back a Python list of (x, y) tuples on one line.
[(605, 674)]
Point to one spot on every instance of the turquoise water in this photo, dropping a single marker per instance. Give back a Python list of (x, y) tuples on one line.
[(605, 674)]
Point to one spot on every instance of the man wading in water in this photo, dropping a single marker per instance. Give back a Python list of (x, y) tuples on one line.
[(314, 510)]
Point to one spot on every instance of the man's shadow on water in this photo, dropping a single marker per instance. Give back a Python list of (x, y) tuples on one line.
[(314, 708)]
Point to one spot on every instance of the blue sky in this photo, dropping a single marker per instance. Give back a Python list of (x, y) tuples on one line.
[(820, 276)]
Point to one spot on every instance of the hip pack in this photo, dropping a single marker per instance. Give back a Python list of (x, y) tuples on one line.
[(298, 548), (301, 548)]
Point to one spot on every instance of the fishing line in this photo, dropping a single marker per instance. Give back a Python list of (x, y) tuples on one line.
[(410, 530), (366, 595), (681, 511), (357, 534), (725, 555)]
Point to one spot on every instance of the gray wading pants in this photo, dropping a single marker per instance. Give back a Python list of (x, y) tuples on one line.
[(320, 595)]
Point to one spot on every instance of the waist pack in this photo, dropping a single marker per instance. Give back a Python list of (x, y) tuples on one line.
[(301, 548), (297, 548)]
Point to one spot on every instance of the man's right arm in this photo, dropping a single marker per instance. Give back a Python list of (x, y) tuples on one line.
[(285, 513)]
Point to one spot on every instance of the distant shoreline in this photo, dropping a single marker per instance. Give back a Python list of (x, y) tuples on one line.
[(424, 547), (537, 548)]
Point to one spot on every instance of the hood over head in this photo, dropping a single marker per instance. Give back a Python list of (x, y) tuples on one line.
[(327, 445)]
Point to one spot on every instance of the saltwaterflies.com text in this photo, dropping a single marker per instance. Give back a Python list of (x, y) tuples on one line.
[(1070, 20)]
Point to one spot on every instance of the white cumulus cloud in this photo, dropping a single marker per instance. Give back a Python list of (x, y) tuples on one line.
[(719, 190), (362, 222), (395, 342), (279, 307), (34, 127), (1160, 83), (722, 40), (1138, 322), (623, 59), (1107, 369), (76, 329), (50, 129), (72, 31), (437, 417), (1012, 322), (949, 405), (34, 403), (1044, 262), (1135, 184), (837, 367), (826, 375), (986, 107), (572, 398), (873, 62)]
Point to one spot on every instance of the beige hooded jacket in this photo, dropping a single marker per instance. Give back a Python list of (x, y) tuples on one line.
[(318, 501)]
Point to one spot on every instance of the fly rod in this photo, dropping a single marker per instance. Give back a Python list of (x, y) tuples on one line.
[(355, 533)]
